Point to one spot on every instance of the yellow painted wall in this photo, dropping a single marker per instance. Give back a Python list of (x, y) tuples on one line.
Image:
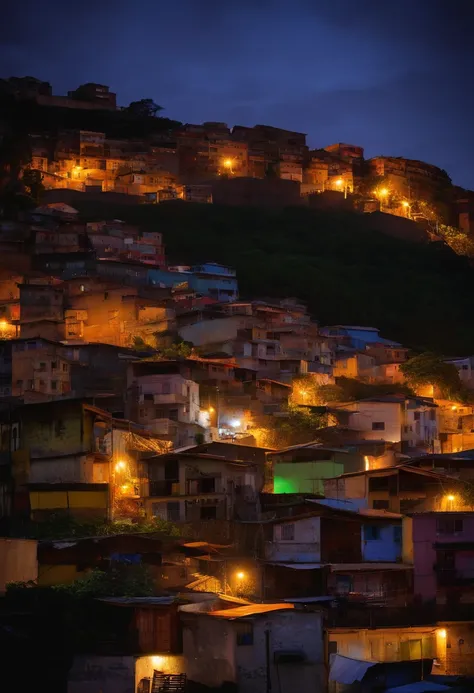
[(390, 644), (57, 574), (52, 500)]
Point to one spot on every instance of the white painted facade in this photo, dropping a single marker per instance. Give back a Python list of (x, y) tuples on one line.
[(295, 542), (409, 421)]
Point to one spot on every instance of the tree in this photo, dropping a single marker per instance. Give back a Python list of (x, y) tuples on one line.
[(180, 349), (430, 369), (307, 390), (119, 581), (300, 425), (145, 108), (32, 181)]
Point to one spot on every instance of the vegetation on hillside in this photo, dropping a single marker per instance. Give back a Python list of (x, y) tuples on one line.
[(419, 294), (430, 369)]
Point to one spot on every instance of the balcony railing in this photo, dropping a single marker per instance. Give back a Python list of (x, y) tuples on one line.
[(170, 398)]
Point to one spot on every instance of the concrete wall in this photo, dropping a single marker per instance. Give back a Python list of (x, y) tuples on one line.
[(288, 631), (303, 477), (18, 562), (95, 674), (304, 548), (213, 331), (365, 414), (384, 548), (213, 657), (70, 469), (100, 674), (209, 650)]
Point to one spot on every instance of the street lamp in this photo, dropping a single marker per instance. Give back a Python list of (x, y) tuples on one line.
[(340, 183), (227, 163), (407, 207)]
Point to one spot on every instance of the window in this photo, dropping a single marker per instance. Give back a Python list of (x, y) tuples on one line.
[(449, 525), (166, 389), (19, 383), (287, 532), (173, 511), (65, 367), (417, 416), (42, 366), (332, 647), (54, 365), (209, 513), (371, 533), (54, 384), (173, 414), (378, 425), (244, 632), (380, 504), (343, 584), (397, 535), (432, 414)]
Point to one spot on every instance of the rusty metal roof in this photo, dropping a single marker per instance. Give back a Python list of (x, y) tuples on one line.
[(250, 610)]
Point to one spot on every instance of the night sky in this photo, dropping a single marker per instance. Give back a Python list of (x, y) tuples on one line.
[(394, 77)]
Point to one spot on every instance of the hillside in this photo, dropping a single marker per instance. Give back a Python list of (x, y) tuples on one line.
[(420, 294)]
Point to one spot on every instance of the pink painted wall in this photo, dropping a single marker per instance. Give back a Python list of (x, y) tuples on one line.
[(425, 535)]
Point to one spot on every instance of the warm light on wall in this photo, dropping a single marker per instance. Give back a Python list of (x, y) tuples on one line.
[(367, 463), (120, 466), (441, 632), (157, 661)]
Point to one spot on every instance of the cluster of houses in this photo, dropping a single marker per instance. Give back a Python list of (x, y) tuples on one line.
[(136, 392), (214, 162)]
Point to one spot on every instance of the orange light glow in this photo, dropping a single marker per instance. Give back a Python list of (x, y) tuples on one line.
[(339, 183), (120, 466)]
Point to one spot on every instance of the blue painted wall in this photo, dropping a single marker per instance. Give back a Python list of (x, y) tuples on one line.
[(382, 543)]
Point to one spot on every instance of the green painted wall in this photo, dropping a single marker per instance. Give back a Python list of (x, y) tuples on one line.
[(303, 477)]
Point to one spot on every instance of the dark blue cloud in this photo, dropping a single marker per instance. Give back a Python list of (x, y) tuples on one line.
[(393, 77)]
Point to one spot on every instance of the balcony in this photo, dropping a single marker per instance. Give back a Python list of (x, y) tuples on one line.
[(165, 427), (170, 398), (164, 488)]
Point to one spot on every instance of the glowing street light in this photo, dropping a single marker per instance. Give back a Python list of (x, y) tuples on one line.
[(235, 423), (407, 207), (227, 163), (340, 183), (240, 575), (120, 466)]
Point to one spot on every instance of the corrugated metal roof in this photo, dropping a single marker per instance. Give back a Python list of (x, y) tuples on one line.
[(420, 687), (299, 566), (335, 567), (347, 670), (250, 610)]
